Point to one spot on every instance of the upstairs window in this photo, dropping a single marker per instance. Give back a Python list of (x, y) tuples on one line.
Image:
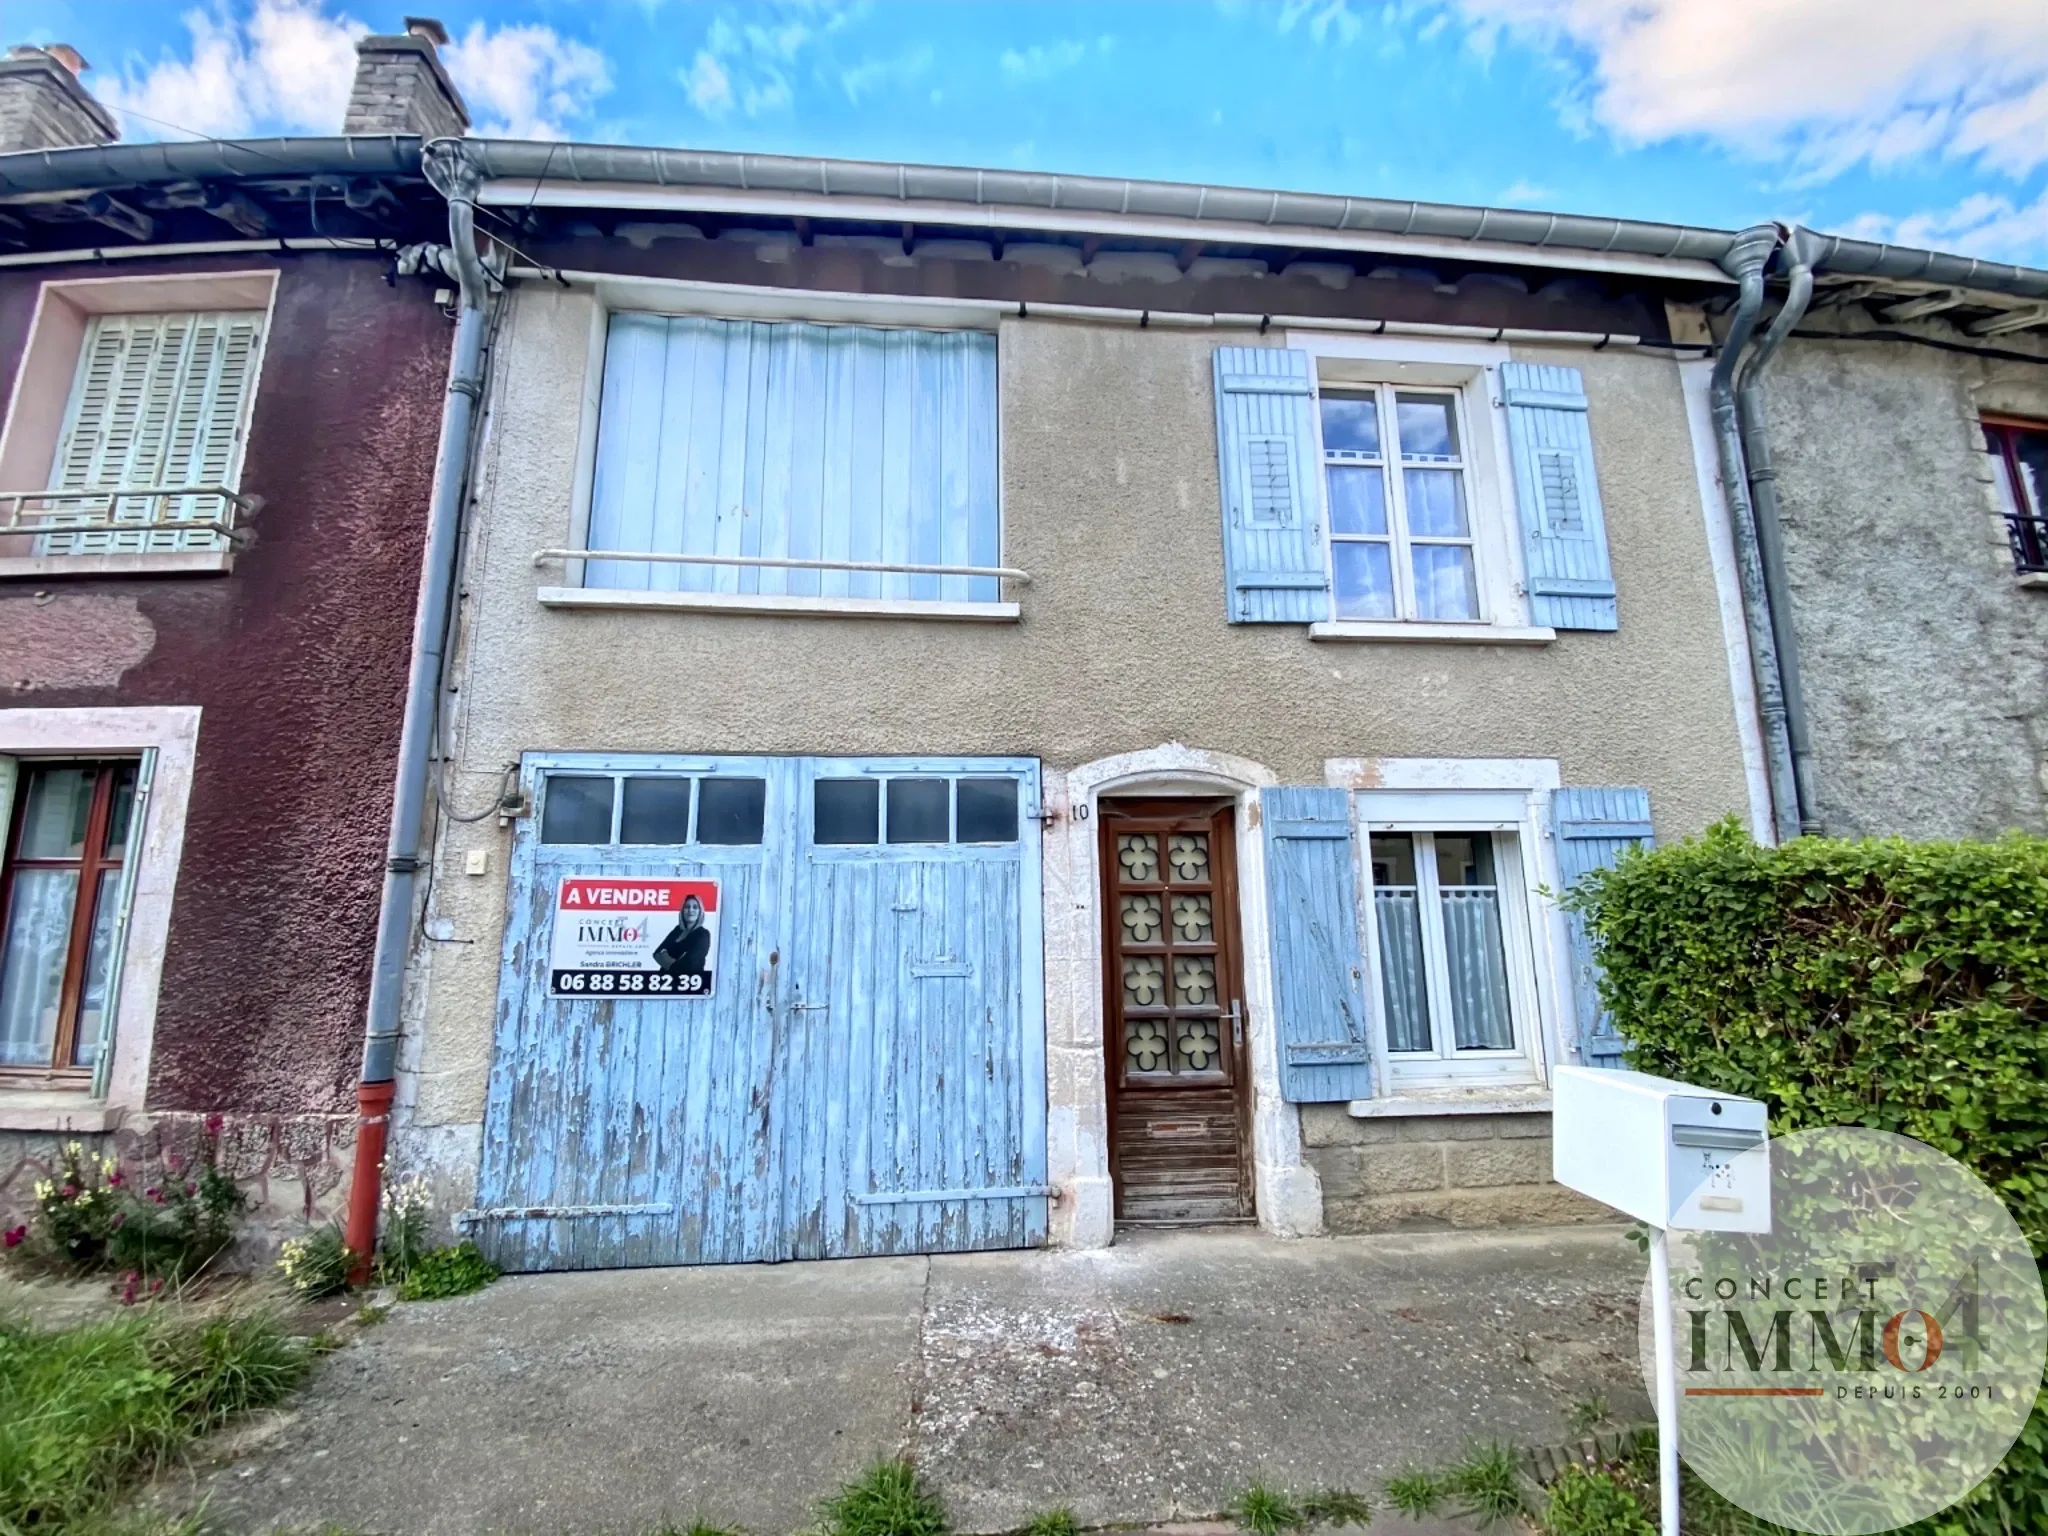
[(2019, 468), (152, 434), (1400, 509), (796, 460)]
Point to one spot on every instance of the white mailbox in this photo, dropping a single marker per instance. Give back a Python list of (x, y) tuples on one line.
[(1667, 1153)]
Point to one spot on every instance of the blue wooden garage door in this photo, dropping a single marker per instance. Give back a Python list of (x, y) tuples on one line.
[(867, 1073)]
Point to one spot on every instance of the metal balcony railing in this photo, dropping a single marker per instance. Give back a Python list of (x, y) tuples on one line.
[(121, 518), (2028, 532)]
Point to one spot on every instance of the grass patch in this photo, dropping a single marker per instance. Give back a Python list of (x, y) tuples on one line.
[(85, 1409), (1587, 1415), (889, 1499), (1266, 1511), (1592, 1501), (1054, 1522), (1485, 1485), (445, 1272), (1417, 1494)]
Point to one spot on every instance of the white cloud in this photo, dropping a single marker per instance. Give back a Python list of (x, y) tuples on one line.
[(289, 64), (287, 67), (710, 87), (1825, 83), (1041, 61), (1982, 224), (871, 75), (751, 58), (525, 81), (1326, 19)]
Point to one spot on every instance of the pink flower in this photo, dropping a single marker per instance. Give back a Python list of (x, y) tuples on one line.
[(156, 1285), (70, 1191), (173, 1162), (213, 1124), (13, 1237), (191, 1188), (128, 1290), (116, 1179), (155, 1194)]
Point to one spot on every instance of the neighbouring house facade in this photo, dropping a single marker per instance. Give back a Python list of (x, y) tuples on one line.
[(1913, 470), (971, 727), (221, 428)]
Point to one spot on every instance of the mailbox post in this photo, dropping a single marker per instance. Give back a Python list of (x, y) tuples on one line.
[(1670, 1155)]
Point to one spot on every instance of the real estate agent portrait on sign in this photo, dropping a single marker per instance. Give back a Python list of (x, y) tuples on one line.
[(628, 937)]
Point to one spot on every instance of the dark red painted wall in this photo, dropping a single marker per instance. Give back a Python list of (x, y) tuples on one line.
[(298, 662)]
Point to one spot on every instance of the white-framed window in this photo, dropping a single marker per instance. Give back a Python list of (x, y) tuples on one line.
[(159, 405), (1453, 933), (126, 427), (785, 464), (1395, 480)]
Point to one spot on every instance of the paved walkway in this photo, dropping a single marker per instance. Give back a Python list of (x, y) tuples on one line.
[(1143, 1383)]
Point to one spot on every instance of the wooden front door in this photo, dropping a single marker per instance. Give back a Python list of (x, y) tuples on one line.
[(1173, 1007)]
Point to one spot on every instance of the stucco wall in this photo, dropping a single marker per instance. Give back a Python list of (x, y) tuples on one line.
[(1111, 502), (1925, 669), (298, 662)]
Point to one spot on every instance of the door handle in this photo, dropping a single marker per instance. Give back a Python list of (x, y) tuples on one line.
[(1237, 1024)]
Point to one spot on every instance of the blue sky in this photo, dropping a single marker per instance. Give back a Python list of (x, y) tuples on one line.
[(1921, 121)]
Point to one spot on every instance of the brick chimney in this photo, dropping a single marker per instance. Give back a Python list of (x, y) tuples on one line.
[(43, 105), (401, 86)]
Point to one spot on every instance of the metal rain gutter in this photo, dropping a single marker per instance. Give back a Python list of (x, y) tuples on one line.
[(29, 172), (1079, 196), (1746, 261), (454, 178), (1770, 533)]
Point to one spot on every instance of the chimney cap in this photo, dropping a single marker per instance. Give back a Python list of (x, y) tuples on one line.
[(63, 53), (428, 27)]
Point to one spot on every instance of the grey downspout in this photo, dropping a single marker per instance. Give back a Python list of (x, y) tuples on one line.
[(1770, 534), (1745, 262), (452, 173)]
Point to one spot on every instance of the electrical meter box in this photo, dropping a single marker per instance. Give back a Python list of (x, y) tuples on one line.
[(1667, 1153)]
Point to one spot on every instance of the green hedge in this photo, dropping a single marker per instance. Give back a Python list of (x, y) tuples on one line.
[(1890, 984), (1897, 985)]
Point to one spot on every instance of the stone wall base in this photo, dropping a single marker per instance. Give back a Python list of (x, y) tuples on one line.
[(1381, 1175), (294, 1168)]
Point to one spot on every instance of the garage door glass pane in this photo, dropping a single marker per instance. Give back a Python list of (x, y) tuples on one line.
[(846, 811), (730, 812), (577, 809), (986, 811), (655, 811), (917, 810)]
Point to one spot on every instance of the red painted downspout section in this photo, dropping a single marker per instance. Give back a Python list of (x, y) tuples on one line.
[(373, 1134)]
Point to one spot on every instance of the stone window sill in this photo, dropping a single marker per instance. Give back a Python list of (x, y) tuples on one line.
[(1464, 1101), (169, 562), (777, 605), (57, 1112), (2035, 579), (1461, 634)]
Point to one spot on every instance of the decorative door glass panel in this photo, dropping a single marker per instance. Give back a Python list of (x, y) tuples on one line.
[(1138, 856), (1167, 957)]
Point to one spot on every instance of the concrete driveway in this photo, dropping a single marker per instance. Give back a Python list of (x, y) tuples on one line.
[(1143, 1383)]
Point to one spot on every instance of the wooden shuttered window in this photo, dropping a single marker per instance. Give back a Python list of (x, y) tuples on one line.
[(1273, 561), (1564, 529), (1318, 967), (797, 441), (1594, 828), (160, 402)]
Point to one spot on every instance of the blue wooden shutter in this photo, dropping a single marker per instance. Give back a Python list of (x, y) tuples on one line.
[(1564, 534), (1272, 486), (1593, 827), (796, 441), (1318, 975)]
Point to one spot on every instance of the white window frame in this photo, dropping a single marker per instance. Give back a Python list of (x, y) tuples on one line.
[(43, 404), (1469, 372), (722, 301), (1510, 798), (173, 733)]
